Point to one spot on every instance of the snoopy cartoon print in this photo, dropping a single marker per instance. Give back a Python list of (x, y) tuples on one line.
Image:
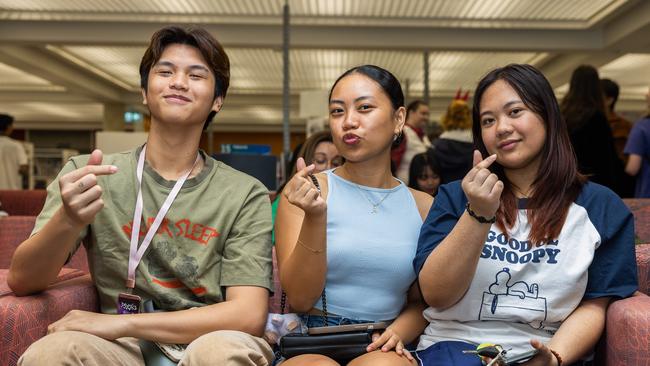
[(518, 301)]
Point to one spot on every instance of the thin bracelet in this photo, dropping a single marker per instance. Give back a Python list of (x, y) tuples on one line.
[(310, 249), (481, 219), (557, 357)]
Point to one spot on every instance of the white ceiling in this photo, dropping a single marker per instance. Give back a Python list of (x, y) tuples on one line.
[(66, 60), (574, 14)]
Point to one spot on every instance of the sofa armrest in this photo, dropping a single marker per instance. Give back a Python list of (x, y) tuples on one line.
[(23, 320), (627, 332)]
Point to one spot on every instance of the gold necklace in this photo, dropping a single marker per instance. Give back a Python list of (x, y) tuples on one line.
[(517, 190), (375, 206)]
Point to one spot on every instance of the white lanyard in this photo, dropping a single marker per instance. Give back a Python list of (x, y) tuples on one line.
[(135, 253)]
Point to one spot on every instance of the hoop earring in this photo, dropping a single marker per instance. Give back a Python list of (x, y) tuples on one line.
[(396, 136)]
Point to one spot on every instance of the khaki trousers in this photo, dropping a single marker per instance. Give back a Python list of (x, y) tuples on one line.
[(224, 347)]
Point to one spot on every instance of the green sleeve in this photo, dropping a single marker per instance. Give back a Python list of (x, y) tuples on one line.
[(247, 257), (274, 213)]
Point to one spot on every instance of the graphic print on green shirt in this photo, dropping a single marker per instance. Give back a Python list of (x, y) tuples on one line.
[(216, 234)]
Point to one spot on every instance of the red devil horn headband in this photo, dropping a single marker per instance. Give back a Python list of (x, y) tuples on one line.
[(459, 97)]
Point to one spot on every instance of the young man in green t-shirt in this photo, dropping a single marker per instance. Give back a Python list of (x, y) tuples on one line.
[(164, 224)]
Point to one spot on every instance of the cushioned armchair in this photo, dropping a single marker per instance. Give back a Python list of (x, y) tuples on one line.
[(23, 320)]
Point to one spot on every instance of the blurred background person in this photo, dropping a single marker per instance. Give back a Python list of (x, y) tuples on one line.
[(620, 126), (620, 131), (424, 173), (413, 140), (583, 109), (453, 150), (638, 150), (13, 160), (434, 131)]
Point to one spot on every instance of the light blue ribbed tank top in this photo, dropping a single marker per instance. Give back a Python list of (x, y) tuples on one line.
[(369, 255)]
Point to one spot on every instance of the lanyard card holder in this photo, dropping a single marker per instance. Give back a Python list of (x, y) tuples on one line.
[(128, 303)]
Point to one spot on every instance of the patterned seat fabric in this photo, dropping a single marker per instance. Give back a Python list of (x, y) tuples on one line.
[(628, 332), (24, 320), (640, 208)]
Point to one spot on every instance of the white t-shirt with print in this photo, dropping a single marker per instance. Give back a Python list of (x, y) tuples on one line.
[(521, 291)]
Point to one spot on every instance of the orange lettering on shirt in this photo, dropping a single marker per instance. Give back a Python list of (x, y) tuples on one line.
[(128, 229), (163, 228), (206, 234), (196, 232), (183, 227)]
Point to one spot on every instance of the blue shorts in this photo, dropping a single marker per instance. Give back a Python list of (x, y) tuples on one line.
[(312, 321), (448, 353)]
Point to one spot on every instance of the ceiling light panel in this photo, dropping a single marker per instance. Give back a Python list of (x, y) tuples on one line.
[(260, 69), (12, 78), (556, 10), (121, 63), (632, 72)]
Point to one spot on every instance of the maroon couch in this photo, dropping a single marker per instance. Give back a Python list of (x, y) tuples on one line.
[(23, 320), (22, 203)]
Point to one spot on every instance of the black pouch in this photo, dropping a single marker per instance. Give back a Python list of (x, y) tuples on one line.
[(341, 347)]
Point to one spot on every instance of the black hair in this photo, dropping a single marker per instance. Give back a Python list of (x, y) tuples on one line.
[(5, 121), (413, 106), (418, 163), (584, 98), (387, 81), (611, 90)]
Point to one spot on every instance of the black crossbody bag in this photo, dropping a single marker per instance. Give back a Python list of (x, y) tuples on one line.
[(341, 347)]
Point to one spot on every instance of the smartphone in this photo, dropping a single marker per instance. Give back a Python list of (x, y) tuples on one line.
[(515, 359), (348, 328)]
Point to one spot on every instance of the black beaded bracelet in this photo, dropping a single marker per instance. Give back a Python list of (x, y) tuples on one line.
[(481, 219)]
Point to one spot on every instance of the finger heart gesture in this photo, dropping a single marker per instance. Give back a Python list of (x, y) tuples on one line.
[(80, 193), (302, 192), (482, 187)]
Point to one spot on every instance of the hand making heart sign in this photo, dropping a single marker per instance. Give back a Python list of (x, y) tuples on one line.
[(482, 187), (302, 192)]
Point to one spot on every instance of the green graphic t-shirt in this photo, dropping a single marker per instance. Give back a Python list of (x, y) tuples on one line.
[(216, 234)]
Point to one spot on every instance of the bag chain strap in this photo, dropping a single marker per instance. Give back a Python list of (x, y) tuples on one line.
[(283, 299), (283, 303)]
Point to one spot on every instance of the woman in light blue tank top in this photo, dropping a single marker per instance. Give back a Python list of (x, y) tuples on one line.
[(355, 234)]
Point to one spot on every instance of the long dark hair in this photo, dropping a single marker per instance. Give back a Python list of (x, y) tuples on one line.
[(584, 98), (558, 182)]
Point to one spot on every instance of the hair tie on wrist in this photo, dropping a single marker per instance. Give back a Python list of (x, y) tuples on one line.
[(481, 219), (557, 357)]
